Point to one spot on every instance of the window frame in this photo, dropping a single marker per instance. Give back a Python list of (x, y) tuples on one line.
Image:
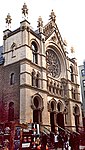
[(84, 94), (71, 73), (12, 78), (83, 72), (83, 83), (34, 48)]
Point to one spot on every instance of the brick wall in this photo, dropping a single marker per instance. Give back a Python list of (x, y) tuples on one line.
[(9, 93)]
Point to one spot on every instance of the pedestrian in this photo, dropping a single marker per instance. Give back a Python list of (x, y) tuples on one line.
[(43, 141), (56, 140)]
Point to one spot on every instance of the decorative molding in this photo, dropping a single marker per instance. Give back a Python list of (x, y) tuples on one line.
[(40, 101)]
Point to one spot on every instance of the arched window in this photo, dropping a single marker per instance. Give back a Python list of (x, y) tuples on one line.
[(12, 80), (34, 51), (54, 87), (57, 89), (82, 72), (37, 106), (52, 105), (37, 80), (13, 47), (61, 91), (73, 93), (11, 112), (76, 116), (33, 78), (83, 83), (71, 73), (36, 102), (58, 107)]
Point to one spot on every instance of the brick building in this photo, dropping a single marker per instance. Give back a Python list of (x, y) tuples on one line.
[(38, 81)]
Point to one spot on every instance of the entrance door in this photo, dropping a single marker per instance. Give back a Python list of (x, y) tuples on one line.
[(37, 116), (52, 121), (60, 121), (76, 122)]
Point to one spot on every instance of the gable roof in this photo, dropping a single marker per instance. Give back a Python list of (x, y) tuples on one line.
[(50, 28)]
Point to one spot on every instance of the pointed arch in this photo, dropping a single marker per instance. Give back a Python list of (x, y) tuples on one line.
[(60, 121), (37, 98), (13, 48), (38, 79), (71, 73), (34, 48), (33, 77), (60, 106), (52, 105), (76, 112), (73, 93), (52, 109), (37, 106), (60, 115)]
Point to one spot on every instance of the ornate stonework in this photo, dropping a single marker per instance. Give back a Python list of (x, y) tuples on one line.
[(40, 22), (53, 64), (52, 16), (25, 10), (42, 89), (8, 20)]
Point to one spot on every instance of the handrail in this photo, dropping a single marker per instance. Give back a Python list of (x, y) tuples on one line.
[(65, 130), (72, 131)]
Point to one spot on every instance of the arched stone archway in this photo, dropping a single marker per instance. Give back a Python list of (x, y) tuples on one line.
[(76, 113), (52, 116), (52, 109), (60, 116), (37, 106), (37, 117), (60, 121)]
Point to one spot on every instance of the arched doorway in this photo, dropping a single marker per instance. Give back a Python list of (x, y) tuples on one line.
[(76, 115), (60, 117), (37, 106), (36, 111), (77, 122), (52, 116), (60, 121)]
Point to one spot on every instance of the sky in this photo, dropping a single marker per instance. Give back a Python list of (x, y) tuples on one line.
[(70, 19)]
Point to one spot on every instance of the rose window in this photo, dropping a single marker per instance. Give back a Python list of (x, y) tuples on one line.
[(53, 64)]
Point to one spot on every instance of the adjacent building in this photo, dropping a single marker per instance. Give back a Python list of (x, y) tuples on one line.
[(38, 81), (82, 85)]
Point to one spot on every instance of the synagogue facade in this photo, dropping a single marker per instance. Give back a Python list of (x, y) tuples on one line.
[(38, 81)]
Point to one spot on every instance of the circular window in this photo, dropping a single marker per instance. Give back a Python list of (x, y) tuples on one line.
[(53, 64)]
